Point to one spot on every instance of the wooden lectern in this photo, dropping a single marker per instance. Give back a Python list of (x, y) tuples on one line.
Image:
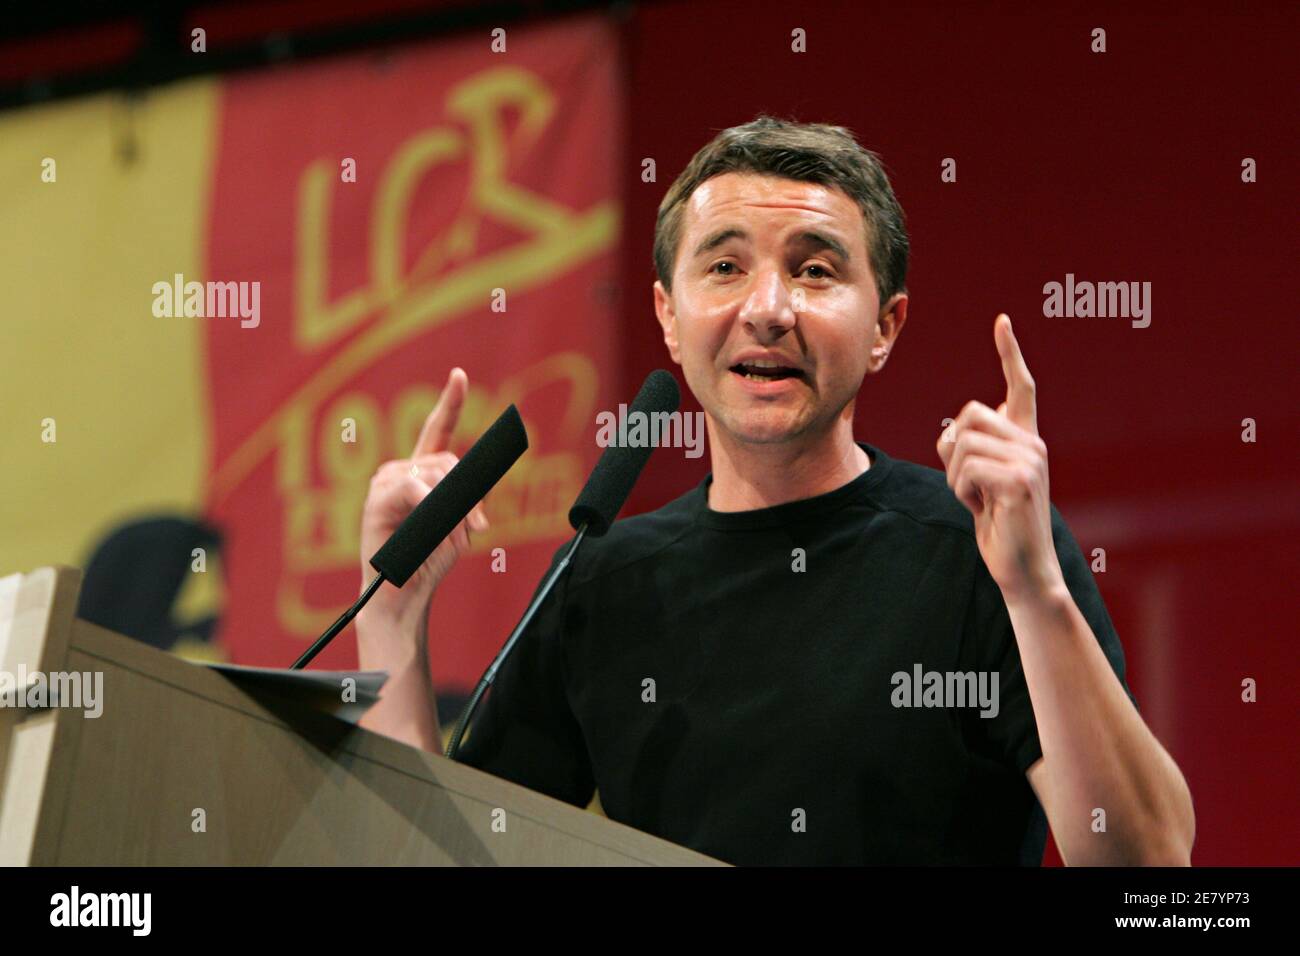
[(182, 767)]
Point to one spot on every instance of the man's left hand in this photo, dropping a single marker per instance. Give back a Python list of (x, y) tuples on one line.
[(997, 467)]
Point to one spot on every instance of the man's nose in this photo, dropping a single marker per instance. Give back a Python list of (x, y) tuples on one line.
[(768, 310)]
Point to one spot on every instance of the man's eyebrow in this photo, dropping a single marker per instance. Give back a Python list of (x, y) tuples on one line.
[(809, 237), (718, 237), (821, 240)]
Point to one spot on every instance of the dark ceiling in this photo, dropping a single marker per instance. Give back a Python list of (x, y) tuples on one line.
[(52, 50)]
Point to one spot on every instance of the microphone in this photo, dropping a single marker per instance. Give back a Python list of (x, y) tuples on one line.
[(598, 504), (619, 467), (442, 509), (452, 499)]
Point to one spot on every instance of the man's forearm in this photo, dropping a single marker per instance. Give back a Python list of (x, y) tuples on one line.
[(1097, 751), (407, 709)]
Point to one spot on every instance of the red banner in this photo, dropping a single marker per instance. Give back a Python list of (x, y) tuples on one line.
[(404, 213)]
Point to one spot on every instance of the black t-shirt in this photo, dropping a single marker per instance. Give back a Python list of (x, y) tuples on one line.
[(729, 680)]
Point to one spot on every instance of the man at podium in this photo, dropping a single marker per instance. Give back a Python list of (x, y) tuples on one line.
[(821, 654)]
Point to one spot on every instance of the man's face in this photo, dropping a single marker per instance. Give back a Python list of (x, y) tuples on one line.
[(775, 316)]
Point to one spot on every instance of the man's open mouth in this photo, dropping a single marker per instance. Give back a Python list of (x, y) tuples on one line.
[(765, 371)]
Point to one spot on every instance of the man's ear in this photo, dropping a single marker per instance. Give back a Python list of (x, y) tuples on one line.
[(893, 315), (667, 320)]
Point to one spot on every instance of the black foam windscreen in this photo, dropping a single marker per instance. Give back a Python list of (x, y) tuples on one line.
[(619, 467), (452, 498)]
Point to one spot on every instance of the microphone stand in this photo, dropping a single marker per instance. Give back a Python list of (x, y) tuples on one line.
[(338, 625), (453, 746)]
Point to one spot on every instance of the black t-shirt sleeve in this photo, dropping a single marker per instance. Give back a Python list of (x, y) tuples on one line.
[(525, 730), (1012, 736)]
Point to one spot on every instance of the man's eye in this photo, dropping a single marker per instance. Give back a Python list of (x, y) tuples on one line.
[(719, 265), (825, 273)]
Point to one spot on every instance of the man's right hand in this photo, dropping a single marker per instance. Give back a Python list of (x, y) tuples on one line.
[(392, 629), (396, 488)]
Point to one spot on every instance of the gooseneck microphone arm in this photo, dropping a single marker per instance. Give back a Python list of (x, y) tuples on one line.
[(597, 506), (453, 746), (344, 619)]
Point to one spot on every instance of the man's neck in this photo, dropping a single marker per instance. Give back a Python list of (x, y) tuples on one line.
[(748, 476)]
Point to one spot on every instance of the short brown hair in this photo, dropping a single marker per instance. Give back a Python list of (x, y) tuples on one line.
[(808, 152)]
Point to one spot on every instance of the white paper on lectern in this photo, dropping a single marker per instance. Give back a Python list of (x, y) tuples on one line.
[(320, 690)]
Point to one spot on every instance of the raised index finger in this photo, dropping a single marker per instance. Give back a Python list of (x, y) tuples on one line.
[(436, 434), (1022, 407)]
